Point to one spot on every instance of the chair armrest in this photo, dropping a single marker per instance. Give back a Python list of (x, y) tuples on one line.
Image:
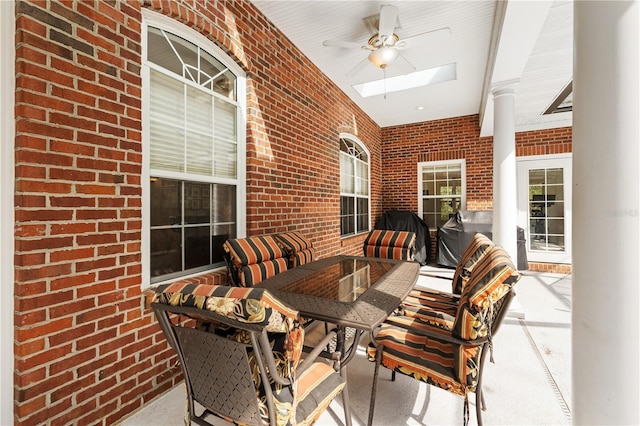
[(315, 353)]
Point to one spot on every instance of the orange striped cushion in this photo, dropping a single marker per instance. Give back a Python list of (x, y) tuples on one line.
[(476, 248), (491, 279), (317, 387), (251, 275), (250, 250), (302, 257), (431, 307), (298, 248), (293, 241), (430, 360), (389, 244)]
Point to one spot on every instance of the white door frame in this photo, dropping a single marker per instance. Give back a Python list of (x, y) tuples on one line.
[(7, 150), (524, 164)]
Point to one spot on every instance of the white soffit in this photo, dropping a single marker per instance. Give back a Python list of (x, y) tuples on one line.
[(522, 23)]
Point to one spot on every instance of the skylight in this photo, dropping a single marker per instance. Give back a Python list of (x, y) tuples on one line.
[(408, 81)]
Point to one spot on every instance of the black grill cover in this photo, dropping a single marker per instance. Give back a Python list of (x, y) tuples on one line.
[(456, 234), (398, 220)]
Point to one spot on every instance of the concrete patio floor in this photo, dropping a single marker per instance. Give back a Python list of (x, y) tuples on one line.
[(529, 384)]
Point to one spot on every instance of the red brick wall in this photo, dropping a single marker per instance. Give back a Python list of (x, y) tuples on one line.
[(87, 352), (403, 147), (448, 139)]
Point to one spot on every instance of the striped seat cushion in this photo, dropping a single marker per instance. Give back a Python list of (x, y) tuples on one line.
[(431, 307), (298, 249), (390, 244), (491, 279), (474, 251), (256, 258), (251, 275), (302, 257), (317, 387), (431, 360)]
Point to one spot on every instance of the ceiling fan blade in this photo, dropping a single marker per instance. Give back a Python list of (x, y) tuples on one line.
[(430, 37), (345, 44), (359, 67), (388, 18), (403, 65)]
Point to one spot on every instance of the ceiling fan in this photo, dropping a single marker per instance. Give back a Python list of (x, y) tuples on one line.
[(385, 45)]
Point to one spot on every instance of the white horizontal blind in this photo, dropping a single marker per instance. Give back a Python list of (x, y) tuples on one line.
[(167, 123), (226, 139), (347, 174)]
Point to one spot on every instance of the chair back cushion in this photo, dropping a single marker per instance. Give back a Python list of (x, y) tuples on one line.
[(474, 251), (299, 250), (491, 279), (248, 305), (390, 244), (255, 258)]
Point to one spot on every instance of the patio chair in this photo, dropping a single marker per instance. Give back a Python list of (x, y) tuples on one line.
[(390, 244), (253, 259), (299, 250), (423, 302), (450, 354), (240, 351)]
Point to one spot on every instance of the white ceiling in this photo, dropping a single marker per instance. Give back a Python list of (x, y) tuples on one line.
[(527, 42)]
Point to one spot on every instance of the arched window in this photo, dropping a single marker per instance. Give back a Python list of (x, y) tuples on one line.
[(194, 151), (354, 186)]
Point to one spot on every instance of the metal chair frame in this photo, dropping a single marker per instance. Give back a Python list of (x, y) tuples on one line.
[(205, 377), (499, 311)]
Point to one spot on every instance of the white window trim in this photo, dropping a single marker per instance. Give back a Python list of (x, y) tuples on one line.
[(165, 23), (463, 174), (7, 193), (361, 144), (542, 161)]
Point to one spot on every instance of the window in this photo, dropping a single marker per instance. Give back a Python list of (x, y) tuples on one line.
[(194, 153), (354, 186), (441, 189)]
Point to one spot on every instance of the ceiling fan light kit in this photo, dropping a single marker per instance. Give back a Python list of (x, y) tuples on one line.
[(385, 45), (383, 56)]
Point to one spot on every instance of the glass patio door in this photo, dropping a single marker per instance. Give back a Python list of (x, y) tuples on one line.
[(544, 207)]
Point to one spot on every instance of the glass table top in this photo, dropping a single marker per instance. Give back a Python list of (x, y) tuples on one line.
[(343, 281)]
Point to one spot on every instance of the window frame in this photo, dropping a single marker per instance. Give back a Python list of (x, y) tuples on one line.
[(463, 177), (356, 141), (154, 19)]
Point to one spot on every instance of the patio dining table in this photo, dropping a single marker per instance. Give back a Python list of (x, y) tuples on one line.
[(349, 291)]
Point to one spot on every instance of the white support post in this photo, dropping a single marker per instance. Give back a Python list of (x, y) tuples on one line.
[(505, 202), (606, 237)]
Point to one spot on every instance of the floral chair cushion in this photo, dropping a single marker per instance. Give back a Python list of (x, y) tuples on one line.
[(253, 306), (249, 305)]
